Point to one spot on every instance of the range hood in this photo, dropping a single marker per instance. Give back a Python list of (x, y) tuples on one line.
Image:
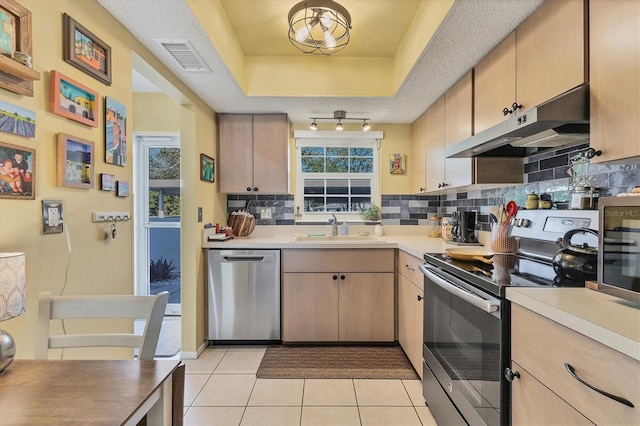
[(561, 121)]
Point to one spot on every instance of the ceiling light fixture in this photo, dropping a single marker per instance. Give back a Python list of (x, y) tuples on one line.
[(320, 27), (340, 116)]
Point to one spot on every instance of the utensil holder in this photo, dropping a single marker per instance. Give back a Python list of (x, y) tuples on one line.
[(502, 242)]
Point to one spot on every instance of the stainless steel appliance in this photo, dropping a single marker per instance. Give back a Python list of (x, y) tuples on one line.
[(467, 317), (619, 247), (464, 230), (244, 295)]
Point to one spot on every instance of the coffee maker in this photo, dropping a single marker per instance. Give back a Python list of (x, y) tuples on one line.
[(464, 229)]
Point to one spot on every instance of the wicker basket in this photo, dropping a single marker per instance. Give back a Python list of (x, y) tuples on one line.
[(242, 223)]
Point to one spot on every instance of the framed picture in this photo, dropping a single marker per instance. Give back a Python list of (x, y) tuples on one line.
[(73, 100), (122, 188), (17, 120), (15, 36), (107, 182), (115, 132), (207, 168), (397, 164), (52, 220), (7, 31), (17, 172), (85, 51), (75, 161)]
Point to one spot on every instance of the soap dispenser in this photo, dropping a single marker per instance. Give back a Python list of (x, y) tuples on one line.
[(344, 230)]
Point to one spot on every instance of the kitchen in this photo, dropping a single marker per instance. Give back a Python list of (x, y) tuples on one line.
[(214, 208)]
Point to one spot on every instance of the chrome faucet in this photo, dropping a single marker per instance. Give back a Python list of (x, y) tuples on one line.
[(333, 221)]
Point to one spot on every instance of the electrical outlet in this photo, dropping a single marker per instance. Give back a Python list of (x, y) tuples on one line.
[(199, 214), (265, 212)]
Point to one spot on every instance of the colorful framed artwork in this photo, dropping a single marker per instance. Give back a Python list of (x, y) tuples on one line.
[(7, 32), (398, 164), (122, 188), (17, 120), (75, 162), (52, 220), (85, 51), (17, 172), (73, 100), (207, 168), (107, 182), (115, 132), (15, 36)]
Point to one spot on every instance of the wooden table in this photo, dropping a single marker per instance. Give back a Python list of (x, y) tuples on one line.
[(87, 392)]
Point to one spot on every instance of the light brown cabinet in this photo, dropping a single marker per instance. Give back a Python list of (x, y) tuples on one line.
[(410, 308), (546, 393), (253, 153), (544, 57), (418, 151), (614, 78), (342, 295)]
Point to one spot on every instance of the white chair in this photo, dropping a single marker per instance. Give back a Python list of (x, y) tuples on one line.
[(149, 308)]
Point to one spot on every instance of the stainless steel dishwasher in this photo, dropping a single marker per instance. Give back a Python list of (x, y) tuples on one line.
[(244, 295)]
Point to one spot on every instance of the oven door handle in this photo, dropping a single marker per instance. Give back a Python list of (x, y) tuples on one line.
[(477, 301)]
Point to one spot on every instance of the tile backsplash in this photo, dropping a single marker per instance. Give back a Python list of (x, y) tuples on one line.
[(544, 173)]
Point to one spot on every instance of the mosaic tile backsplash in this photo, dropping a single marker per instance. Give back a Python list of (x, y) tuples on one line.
[(545, 173)]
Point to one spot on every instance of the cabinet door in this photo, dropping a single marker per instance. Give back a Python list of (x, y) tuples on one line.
[(551, 51), (418, 152), (270, 159), (235, 152), (615, 81), (458, 122), (495, 84), (434, 143), (410, 322), (366, 307), (534, 404), (310, 307)]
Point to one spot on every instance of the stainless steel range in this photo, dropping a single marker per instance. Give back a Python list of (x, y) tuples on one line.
[(467, 318)]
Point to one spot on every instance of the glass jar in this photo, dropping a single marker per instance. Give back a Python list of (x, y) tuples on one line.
[(433, 227), (584, 198)]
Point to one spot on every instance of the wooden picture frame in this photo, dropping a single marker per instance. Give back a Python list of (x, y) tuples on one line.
[(207, 168), (122, 188), (73, 100), (76, 159), (107, 182), (115, 132), (17, 172), (397, 164), (86, 51)]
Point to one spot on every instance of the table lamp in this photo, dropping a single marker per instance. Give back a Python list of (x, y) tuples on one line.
[(12, 300)]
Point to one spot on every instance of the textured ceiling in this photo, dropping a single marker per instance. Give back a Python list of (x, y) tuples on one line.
[(470, 30)]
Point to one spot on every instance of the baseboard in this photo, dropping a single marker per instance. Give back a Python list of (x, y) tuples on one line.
[(194, 355)]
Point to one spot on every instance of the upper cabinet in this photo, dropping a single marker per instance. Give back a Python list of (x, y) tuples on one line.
[(434, 146), (253, 153), (544, 57), (418, 152), (615, 78)]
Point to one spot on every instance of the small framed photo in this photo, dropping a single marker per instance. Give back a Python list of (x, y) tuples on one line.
[(52, 220), (85, 51), (73, 100), (397, 164), (17, 172), (107, 182), (17, 120), (75, 162), (122, 188), (207, 168), (115, 132)]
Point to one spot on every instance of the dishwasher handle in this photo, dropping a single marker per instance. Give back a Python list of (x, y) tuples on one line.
[(240, 258), (488, 306)]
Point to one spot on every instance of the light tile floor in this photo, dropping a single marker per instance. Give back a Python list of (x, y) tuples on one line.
[(221, 388)]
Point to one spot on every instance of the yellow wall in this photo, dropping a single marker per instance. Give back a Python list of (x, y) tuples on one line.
[(97, 265), (155, 113), (397, 140)]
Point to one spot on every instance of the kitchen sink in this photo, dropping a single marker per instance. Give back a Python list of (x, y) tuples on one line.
[(310, 238)]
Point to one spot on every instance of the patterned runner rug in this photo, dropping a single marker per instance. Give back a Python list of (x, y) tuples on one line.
[(335, 362)]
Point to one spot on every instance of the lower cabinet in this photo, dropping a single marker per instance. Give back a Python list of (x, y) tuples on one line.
[(347, 306), (542, 351), (410, 308)]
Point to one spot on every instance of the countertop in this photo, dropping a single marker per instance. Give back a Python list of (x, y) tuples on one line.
[(607, 319)]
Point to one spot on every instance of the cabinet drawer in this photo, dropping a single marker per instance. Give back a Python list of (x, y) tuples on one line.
[(542, 347), (408, 266), (338, 260)]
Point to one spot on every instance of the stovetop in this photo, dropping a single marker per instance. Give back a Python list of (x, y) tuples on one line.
[(532, 266)]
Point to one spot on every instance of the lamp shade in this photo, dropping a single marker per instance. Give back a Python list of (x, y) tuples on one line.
[(12, 285)]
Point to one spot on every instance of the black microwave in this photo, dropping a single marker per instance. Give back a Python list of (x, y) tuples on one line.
[(619, 247)]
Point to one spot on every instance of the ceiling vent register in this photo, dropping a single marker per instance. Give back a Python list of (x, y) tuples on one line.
[(185, 55)]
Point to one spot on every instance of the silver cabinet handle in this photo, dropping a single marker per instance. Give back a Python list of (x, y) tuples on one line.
[(409, 268), (600, 391)]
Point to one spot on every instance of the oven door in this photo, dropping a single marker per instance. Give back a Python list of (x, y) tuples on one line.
[(466, 347)]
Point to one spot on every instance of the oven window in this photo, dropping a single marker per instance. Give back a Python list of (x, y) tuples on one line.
[(466, 342), (621, 248)]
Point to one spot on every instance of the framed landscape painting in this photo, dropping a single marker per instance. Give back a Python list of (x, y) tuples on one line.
[(115, 132), (17, 172), (73, 100), (75, 162), (85, 51), (17, 120)]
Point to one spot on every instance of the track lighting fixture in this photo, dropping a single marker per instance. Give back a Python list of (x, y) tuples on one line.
[(340, 116)]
